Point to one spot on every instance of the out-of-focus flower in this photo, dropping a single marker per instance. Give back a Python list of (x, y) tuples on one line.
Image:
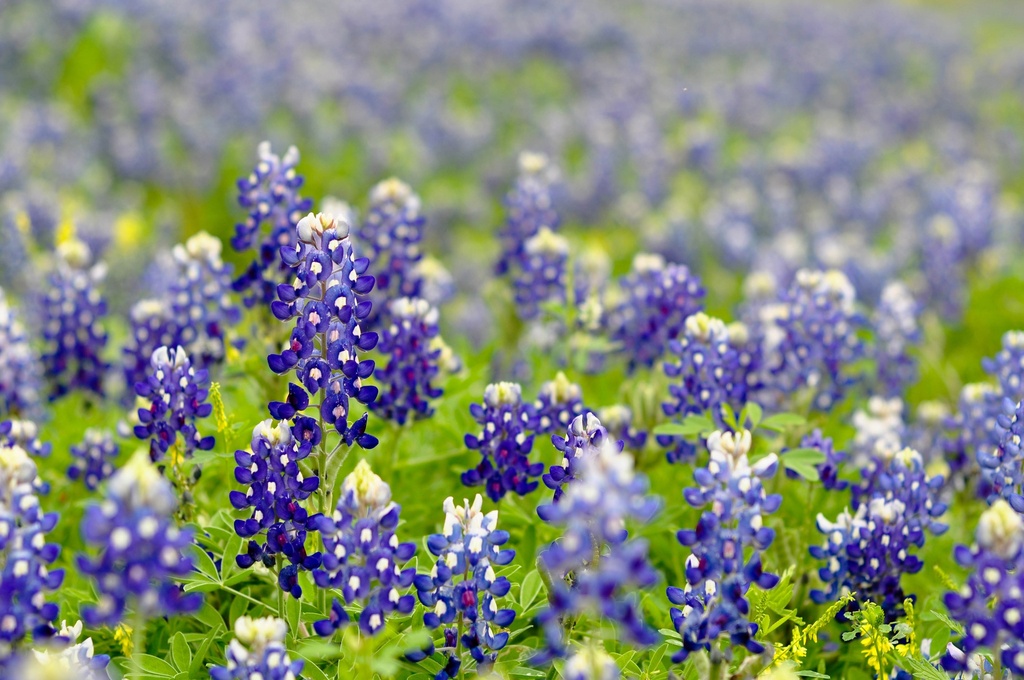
[(414, 361), (94, 458), (176, 393), (258, 652), (20, 371)]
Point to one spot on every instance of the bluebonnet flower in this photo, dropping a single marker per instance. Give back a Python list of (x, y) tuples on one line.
[(1001, 474), (24, 433), (1007, 367), (20, 372), (896, 333), (588, 663), (541, 276), (708, 369), (595, 566), (152, 325), (25, 557), (414, 361), (810, 338), (73, 312), (141, 553), (504, 443), (176, 393), (973, 428), (461, 592), (726, 546), (990, 605), (879, 430), (279, 524), (271, 195), (258, 652), (943, 266), (655, 302), (618, 420), (73, 661), (558, 402), (529, 207), (328, 301), (867, 551), (390, 237), (200, 299), (362, 555), (93, 458), (584, 436)]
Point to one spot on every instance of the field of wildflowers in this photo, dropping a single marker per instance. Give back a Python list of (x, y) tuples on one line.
[(511, 339)]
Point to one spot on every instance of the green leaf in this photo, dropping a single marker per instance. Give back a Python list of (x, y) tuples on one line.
[(691, 426), (310, 669), (527, 672), (156, 666), (293, 612), (812, 674), (753, 413), (917, 667), (180, 652), (803, 462), (954, 626), (529, 590), (729, 416), (781, 421)]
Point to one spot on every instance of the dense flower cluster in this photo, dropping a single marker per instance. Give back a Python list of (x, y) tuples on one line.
[(73, 312), (1001, 474), (24, 433), (504, 443), (258, 652), (140, 550), (461, 591), (152, 325), (583, 438), (25, 557), (271, 196), (896, 330), (726, 547), (558, 402), (595, 566), (989, 605), (867, 551), (1007, 367), (362, 556), (20, 373), (414, 361), (327, 300), (176, 393), (542, 272), (530, 208), (279, 523), (390, 238), (657, 298), (706, 370), (93, 458), (810, 338), (200, 299)]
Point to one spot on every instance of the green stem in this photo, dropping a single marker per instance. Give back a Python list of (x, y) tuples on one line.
[(138, 644)]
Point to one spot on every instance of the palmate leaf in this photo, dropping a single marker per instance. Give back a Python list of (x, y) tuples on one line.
[(804, 462), (692, 425)]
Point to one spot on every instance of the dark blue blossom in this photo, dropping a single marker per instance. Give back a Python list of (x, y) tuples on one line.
[(414, 361), (810, 339), (327, 300), (990, 605), (656, 300), (972, 429), (176, 393), (93, 458), (24, 433), (1007, 367), (258, 652), (583, 437), (20, 371), (73, 311), (1001, 475), (595, 567), (869, 550), (362, 556), (25, 557), (461, 591), (504, 443), (141, 553), (828, 470), (279, 523), (895, 324), (271, 196), (726, 546)]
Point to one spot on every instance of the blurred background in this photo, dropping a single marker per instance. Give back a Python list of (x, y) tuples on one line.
[(884, 139)]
